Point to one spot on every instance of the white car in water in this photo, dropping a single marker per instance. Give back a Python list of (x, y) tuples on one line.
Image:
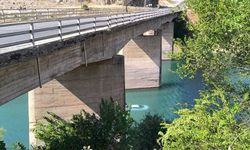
[(135, 107)]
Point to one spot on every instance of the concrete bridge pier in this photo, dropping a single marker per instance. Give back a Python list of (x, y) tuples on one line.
[(143, 60), (167, 39), (81, 88)]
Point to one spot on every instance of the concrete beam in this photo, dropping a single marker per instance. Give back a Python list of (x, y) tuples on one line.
[(19, 70), (143, 61), (81, 88), (167, 39), (99, 80), (85, 85)]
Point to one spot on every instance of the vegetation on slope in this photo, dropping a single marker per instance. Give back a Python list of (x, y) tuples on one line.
[(2, 144), (219, 47), (113, 129)]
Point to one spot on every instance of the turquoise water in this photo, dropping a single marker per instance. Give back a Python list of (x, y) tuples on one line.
[(173, 94), (14, 120)]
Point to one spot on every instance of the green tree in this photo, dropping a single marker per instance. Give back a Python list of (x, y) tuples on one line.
[(19, 146), (2, 144), (211, 124), (219, 48), (110, 131), (220, 40), (146, 132)]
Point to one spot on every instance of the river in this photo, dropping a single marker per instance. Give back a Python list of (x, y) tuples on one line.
[(173, 94), (14, 120)]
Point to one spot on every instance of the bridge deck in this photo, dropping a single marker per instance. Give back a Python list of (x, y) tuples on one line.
[(18, 36)]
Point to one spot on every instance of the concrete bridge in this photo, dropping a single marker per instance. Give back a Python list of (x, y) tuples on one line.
[(74, 70)]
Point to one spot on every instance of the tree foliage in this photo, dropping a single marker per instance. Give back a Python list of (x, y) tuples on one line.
[(211, 124), (146, 133), (1, 134), (110, 131), (19, 146), (2, 144), (219, 47), (220, 41)]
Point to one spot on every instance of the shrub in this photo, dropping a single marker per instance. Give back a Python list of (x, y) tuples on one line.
[(85, 7), (2, 144), (211, 124), (19, 146), (110, 131), (147, 132)]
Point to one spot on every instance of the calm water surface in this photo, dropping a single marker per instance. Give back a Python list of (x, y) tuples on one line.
[(172, 95), (14, 120)]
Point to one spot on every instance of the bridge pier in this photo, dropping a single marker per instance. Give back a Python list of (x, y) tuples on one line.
[(81, 88), (143, 61), (167, 39)]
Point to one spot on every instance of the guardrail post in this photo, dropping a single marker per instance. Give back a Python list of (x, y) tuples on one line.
[(32, 33), (37, 59), (130, 17), (60, 29), (95, 23), (109, 22), (78, 26), (116, 20), (123, 19)]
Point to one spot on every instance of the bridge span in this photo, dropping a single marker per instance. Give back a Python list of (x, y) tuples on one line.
[(71, 64)]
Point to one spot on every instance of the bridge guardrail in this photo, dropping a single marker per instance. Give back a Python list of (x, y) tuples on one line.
[(22, 15), (22, 35)]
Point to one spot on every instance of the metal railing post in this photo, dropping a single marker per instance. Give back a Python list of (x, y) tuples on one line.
[(116, 20), (37, 58), (78, 26), (95, 23), (60, 29), (109, 26), (38, 71), (132, 18), (32, 33), (36, 14)]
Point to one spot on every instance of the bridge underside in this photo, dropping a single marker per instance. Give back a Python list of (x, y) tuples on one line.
[(76, 74), (80, 89), (143, 61), (22, 69)]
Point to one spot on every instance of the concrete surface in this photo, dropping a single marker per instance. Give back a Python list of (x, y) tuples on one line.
[(19, 70), (167, 39), (81, 88), (143, 61)]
